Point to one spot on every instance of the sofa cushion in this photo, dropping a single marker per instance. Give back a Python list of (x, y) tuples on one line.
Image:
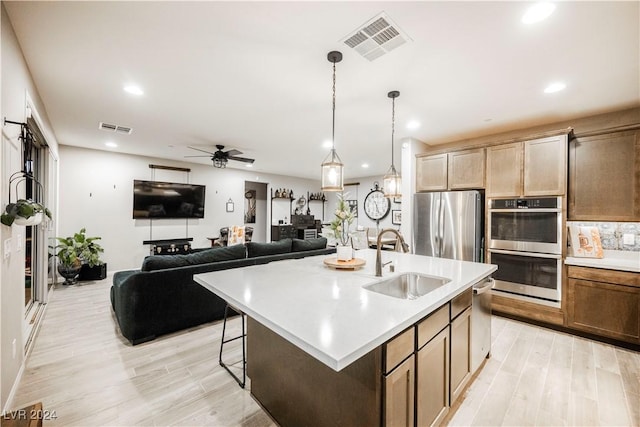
[(163, 262), (298, 245), (227, 253), (255, 249)]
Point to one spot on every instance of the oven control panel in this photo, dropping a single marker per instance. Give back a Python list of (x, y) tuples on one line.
[(526, 203)]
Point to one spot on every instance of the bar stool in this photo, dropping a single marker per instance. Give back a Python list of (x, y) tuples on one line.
[(223, 342)]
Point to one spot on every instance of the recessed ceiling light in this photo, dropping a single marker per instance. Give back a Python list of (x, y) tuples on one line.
[(111, 144), (327, 144), (413, 124), (365, 165), (249, 165), (538, 12), (133, 90), (555, 87)]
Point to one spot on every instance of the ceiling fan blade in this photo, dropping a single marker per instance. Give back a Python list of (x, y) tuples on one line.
[(232, 152), (204, 151), (209, 156), (242, 159)]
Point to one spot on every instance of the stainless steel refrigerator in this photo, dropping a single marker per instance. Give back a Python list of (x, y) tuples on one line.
[(448, 225)]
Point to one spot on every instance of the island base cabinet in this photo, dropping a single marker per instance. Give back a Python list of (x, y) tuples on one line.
[(460, 353), (299, 390), (432, 393), (399, 395)]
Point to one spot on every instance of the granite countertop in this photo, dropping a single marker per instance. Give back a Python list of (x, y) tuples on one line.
[(613, 260), (326, 312)]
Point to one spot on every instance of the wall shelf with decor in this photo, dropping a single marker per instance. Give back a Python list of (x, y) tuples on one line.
[(279, 195), (317, 197)]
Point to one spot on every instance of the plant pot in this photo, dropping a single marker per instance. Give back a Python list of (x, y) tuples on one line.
[(344, 253), (69, 273), (97, 272), (32, 220)]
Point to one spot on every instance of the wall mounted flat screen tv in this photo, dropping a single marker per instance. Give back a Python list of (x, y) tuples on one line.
[(167, 200)]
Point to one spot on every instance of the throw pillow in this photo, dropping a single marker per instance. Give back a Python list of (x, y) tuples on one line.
[(299, 245), (255, 249), (236, 235)]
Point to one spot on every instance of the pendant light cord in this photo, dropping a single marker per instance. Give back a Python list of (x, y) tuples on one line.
[(333, 127), (393, 121)]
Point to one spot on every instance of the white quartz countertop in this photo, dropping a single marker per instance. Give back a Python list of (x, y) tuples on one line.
[(613, 260), (326, 312)]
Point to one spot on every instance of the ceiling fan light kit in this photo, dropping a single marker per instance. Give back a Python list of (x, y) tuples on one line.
[(332, 168), (392, 181), (221, 158)]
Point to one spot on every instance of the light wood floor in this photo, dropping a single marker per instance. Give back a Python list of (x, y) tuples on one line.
[(87, 374)]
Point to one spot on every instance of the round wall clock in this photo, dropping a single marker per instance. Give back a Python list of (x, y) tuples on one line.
[(376, 205)]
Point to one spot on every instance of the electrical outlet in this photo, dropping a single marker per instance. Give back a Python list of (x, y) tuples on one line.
[(7, 248), (628, 239)]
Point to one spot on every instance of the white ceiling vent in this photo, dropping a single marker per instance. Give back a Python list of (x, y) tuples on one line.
[(377, 37), (115, 128)]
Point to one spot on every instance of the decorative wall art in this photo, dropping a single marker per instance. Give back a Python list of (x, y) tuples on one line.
[(353, 205), (396, 217), (250, 207)]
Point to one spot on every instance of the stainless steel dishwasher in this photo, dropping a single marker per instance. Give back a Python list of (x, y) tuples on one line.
[(481, 323)]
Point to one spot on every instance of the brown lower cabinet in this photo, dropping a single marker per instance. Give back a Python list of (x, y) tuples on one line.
[(460, 353), (399, 395), (604, 302), (432, 398)]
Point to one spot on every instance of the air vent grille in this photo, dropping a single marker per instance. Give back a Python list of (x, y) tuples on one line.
[(376, 38), (115, 128)]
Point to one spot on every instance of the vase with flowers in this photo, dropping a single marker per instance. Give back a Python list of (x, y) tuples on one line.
[(340, 227)]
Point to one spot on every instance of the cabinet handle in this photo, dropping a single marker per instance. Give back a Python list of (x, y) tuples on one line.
[(409, 397)]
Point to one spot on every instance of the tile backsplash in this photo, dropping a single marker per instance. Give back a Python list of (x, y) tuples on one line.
[(612, 234)]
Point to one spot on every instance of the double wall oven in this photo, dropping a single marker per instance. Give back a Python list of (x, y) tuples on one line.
[(525, 242)]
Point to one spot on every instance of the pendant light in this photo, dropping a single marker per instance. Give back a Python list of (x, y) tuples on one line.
[(332, 167), (392, 182)]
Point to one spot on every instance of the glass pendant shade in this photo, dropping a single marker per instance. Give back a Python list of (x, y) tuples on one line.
[(392, 183), (332, 167), (332, 172)]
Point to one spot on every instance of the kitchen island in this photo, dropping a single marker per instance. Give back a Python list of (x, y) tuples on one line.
[(316, 337)]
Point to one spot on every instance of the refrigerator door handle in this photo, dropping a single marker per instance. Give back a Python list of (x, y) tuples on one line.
[(441, 226)]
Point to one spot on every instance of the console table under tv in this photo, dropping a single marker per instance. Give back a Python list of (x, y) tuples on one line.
[(169, 246)]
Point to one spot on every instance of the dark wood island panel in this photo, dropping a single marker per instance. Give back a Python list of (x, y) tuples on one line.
[(297, 389)]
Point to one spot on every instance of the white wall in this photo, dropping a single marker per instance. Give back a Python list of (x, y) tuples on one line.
[(16, 86), (96, 192), (410, 147)]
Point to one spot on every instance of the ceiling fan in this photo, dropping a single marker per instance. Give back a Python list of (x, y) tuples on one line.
[(220, 158)]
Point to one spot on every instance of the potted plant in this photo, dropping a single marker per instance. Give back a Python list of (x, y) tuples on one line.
[(340, 227), (77, 251), (24, 212)]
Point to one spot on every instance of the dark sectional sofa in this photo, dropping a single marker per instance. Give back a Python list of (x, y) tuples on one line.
[(162, 296)]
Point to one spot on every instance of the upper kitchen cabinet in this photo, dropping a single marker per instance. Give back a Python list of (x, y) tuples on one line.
[(536, 167), (604, 177), (459, 170)]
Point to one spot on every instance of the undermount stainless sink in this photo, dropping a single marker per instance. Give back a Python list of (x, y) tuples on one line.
[(407, 285)]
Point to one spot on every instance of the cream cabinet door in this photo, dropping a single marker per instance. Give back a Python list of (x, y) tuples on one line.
[(466, 169), (399, 395), (431, 173), (504, 170), (545, 166), (432, 393)]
